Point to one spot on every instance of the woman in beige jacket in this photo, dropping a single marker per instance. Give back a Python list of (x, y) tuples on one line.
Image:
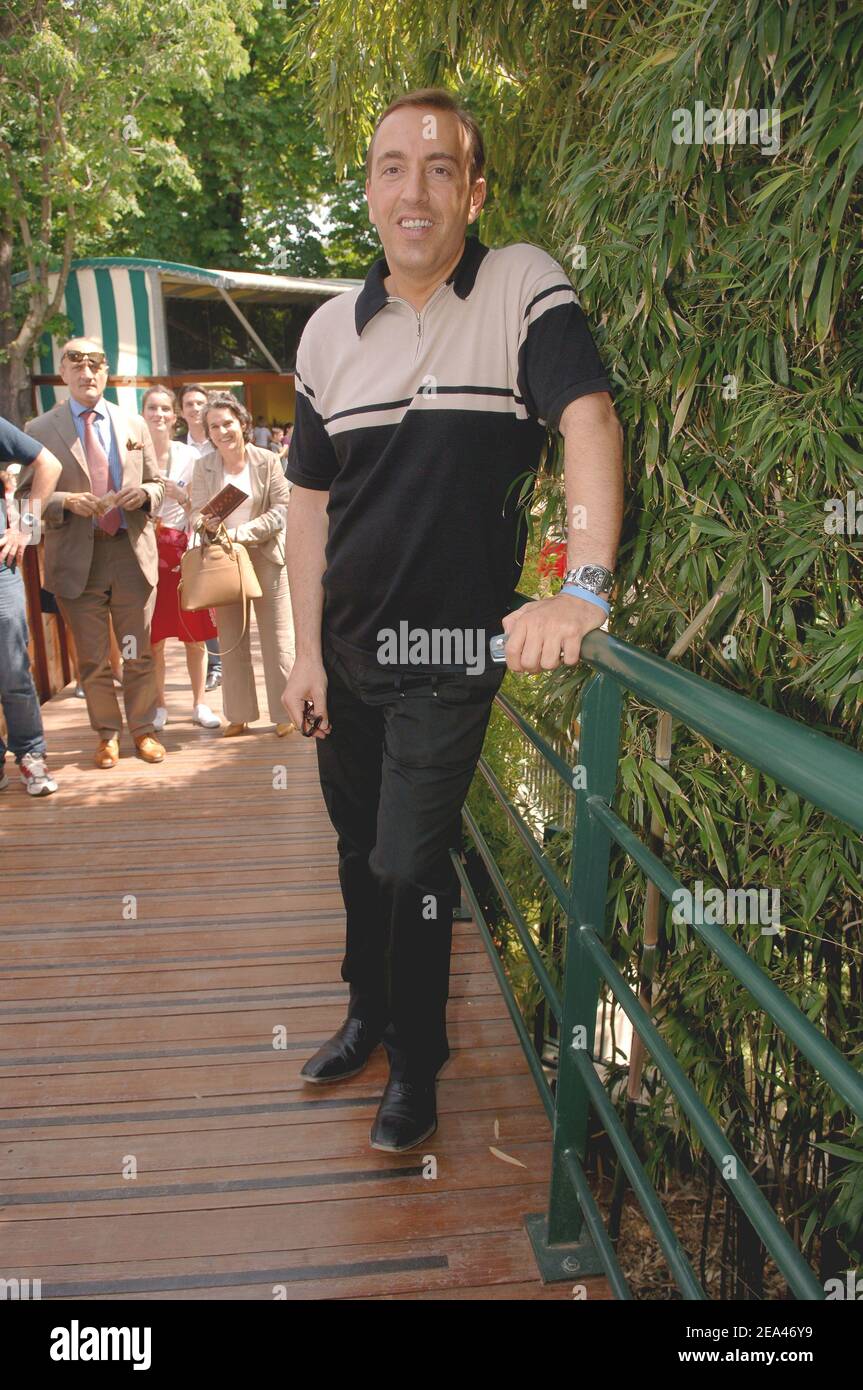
[(259, 523)]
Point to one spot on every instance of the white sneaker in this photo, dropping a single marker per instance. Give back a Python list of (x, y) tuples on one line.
[(203, 715), (35, 775), (160, 718)]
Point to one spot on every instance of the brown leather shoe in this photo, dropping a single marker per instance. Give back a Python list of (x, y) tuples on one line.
[(231, 730), (149, 748), (283, 729), (108, 753)]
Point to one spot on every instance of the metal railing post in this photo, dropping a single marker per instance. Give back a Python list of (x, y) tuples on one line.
[(563, 1249)]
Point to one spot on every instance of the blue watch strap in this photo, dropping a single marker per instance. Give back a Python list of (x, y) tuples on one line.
[(578, 592)]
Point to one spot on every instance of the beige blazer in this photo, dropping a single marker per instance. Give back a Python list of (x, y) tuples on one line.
[(69, 538), (264, 532)]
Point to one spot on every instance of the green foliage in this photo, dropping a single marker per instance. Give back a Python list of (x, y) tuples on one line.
[(85, 106), (265, 194), (86, 120), (846, 1213)]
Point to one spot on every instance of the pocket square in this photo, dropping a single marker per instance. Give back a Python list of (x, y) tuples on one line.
[(133, 444)]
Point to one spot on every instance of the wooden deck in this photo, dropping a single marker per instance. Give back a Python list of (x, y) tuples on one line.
[(143, 1045)]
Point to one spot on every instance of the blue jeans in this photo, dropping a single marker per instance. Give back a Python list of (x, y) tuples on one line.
[(17, 691), (214, 656)]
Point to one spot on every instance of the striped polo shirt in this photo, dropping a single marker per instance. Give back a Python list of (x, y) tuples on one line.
[(426, 428)]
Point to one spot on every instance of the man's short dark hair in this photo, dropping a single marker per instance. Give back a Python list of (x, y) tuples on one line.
[(188, 386), (439, 99)]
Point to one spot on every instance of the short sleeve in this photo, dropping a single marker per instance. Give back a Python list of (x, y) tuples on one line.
[(15, 445), (312, 460), (558, 360)]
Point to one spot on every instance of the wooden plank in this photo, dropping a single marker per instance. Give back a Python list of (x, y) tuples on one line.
[(218, 1076), (235, 1034), (434, 1267), (213, 1150), (483, 1095), (210, 1023), (278, 1184), (129, 978), (300, 1227)]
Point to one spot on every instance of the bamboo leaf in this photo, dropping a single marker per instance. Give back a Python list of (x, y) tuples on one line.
[(772, 187), (781, 359), (823, 303), (681, 412), (714, 841), (810, 272)]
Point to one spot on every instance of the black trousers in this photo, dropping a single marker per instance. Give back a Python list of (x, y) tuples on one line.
[(395, 771)]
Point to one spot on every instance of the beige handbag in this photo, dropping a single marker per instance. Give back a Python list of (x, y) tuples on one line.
[(216, 573)]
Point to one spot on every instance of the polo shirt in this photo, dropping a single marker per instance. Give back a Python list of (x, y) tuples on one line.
[(424, 427)]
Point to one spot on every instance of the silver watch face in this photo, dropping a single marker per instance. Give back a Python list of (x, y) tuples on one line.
[(596, 578)]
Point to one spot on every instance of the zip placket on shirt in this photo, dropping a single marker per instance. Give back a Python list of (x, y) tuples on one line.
[(419, 314)]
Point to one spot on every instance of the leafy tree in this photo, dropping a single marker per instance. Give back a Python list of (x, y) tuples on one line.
[(86, 123), (266, 194)]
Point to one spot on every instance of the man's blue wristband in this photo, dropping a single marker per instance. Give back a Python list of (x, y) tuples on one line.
[(578, 592)]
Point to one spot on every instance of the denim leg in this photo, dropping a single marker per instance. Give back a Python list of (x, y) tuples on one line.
[(17, 691)]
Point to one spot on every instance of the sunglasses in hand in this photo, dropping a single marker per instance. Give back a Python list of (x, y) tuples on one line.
[(311, 721)]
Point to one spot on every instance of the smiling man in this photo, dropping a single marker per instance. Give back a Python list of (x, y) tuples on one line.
[(423, 400)]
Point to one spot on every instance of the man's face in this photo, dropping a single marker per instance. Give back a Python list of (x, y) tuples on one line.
[(85, 385), (419, 193), (192, 407)]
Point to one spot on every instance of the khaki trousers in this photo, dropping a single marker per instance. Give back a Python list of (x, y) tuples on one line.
[(115, 587), (276, 632)]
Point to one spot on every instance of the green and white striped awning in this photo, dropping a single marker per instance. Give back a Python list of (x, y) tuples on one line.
[(118, 300)]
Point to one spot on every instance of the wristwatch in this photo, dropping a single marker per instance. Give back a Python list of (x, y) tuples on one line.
[(596, 578), (30, 520)]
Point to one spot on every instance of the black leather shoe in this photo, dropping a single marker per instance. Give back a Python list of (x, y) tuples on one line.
[(406, 1116), (214, 678), (344, 1054)]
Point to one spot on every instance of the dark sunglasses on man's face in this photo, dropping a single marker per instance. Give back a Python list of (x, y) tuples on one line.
[(95, 360)]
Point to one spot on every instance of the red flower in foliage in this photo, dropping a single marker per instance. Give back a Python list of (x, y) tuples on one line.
[(552, 559)]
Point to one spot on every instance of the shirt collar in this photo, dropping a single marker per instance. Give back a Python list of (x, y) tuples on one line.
[(373, 295), (78, 409)]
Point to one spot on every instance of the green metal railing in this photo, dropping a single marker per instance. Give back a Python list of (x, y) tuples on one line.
[(570, 1240)]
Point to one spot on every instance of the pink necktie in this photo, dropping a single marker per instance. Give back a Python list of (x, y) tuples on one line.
[(100, 473)]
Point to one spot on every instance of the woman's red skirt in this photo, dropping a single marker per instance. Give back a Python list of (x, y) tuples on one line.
[(169, 619)]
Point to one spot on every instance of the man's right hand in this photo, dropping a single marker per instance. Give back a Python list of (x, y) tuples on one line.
[(307, 681), (83, 503)]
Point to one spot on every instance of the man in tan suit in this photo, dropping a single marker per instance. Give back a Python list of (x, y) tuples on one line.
[(100, 545)]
